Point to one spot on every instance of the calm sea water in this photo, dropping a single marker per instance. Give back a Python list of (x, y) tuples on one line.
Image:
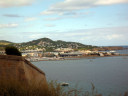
[(108, 74)]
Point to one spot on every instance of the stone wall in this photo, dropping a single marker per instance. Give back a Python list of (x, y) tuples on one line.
[(19, 69)]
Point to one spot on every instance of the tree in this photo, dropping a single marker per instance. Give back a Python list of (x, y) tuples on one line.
[(11, 50)]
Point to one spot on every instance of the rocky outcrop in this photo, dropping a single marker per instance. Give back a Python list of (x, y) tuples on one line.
[(108, 48), (19, 69)]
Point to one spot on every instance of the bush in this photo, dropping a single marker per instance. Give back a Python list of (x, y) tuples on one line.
[(11, 50), (17, 88)]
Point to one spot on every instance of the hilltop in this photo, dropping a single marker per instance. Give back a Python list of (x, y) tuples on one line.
[(51, 45), (46, 43), (4, 42)]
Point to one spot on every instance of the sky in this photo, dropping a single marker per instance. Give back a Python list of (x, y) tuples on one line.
[(91, 22)]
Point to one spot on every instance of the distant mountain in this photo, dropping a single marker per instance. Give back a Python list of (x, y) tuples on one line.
[(46, 42), (39, 42), (125, 47), (4, 42)]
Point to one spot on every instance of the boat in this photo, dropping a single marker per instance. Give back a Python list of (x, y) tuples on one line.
[(64, 84)]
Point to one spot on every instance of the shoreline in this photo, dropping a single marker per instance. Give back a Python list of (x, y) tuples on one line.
[(74, 58)]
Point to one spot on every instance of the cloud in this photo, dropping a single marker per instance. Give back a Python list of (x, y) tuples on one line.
[(15, 3), (30, 19), (69, 6), (35, 36), (97, 36), (70, 15), (114, 36), (53, 19), (50, 25), (75, 13), (11, 25), (12, 15), (109, 2)]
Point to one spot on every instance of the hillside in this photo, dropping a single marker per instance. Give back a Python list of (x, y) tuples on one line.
[(50, 45), (46, 43), (4, 42)]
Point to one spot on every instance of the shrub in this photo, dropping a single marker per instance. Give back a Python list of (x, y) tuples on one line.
[(11, 50), (16, 88)]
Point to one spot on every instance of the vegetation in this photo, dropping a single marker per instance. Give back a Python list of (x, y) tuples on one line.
[(49, 49), (46, 43), (4, 42), (11, 50), (14, 88), (87, 48)]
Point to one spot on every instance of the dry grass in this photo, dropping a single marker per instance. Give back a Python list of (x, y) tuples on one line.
[(14, 88)]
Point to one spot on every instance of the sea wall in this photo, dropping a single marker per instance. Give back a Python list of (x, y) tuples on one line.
[(19, 69)]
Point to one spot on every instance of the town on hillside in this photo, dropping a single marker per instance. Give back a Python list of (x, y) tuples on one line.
[(47, 49)]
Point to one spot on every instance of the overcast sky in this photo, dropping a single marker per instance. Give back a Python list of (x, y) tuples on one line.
[(93, 22)]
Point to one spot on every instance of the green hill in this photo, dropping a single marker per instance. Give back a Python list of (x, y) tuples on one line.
[(4, 42), (46, 43)]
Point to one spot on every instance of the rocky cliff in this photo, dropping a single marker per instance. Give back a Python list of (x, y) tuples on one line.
[(19, 69)]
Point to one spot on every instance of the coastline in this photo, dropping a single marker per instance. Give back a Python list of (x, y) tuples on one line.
[(70, 58)]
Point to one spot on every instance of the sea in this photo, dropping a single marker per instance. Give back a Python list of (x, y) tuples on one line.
[(109, 75)]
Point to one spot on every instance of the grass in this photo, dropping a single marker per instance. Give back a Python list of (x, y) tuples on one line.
[(14, 88)]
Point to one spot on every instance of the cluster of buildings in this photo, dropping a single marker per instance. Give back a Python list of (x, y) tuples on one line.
[(61, 53), (66, 52)]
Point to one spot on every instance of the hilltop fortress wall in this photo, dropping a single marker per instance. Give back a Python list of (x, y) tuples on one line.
[(19, 69)]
